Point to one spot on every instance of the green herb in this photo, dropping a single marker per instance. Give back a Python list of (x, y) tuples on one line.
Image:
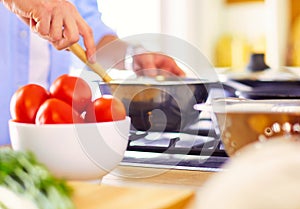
[(2, 206), (23, 174)]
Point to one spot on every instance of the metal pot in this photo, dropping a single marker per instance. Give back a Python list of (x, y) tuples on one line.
[(157, 105)]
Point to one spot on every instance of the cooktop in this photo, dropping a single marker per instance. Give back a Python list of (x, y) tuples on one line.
[(196, 148)]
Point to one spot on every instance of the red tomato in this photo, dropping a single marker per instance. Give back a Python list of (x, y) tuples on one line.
[(26, 101), (73, 90), (54, 111), (105, 108)]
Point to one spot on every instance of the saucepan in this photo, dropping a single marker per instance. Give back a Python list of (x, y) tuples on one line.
[(160, 104)]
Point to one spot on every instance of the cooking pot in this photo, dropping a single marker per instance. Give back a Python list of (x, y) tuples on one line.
[(160, 105)]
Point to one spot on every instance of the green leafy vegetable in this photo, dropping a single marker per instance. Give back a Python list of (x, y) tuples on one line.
[(3, 206), (23, 174)]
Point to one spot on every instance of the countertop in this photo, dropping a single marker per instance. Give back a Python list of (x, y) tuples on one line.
[(154, 177), (143, 175), (127, 177)]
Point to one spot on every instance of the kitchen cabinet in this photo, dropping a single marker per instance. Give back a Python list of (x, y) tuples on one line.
[(242, 1), (279, 19), (293, 52)]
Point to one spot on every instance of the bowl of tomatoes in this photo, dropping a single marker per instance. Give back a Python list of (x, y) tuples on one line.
[(76, 137)]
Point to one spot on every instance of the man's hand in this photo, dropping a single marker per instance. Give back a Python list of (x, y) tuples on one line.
[(153, 64), (57, 21), (137, 58)]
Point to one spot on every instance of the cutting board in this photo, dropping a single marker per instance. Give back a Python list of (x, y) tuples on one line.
[(96, 196)]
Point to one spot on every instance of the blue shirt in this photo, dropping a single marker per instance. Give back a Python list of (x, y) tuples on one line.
[(14, 55)]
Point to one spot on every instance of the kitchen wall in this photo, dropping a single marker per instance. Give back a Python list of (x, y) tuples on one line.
[(249, 27), (244, 27), (131, 17)]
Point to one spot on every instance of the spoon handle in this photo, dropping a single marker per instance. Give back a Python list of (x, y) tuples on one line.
[(97, 68)]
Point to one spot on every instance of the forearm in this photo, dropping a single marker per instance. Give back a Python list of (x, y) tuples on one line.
[(111, 52)]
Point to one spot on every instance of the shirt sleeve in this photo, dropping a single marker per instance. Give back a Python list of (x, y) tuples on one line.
[(90, 12)]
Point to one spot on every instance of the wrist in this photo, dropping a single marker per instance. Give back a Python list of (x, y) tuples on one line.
[(131, 51)]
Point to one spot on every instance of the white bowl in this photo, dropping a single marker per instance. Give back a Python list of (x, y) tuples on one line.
[(85, 151)]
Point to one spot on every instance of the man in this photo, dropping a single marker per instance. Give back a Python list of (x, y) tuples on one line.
[(26, 58)]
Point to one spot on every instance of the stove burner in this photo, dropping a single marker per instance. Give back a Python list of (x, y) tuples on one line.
[(175, 143), (196, 148)]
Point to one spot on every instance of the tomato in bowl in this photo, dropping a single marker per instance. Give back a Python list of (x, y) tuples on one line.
[(54, 128)]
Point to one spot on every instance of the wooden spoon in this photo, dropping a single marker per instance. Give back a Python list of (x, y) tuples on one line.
[(97, 68)]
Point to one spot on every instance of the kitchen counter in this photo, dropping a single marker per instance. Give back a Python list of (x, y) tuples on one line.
[(154, 177), (182, 186), (143, 175), (141, 187)]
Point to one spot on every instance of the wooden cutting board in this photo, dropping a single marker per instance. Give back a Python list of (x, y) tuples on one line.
[(96, 196)]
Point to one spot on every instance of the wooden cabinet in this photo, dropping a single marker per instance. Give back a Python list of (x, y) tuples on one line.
[(294, 10), (241, 1), (293, 51)]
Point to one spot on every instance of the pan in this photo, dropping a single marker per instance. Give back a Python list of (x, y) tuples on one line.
[(160, 105), (268, 89)]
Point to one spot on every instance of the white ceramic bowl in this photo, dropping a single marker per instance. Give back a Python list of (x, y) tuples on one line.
[(74, 151)]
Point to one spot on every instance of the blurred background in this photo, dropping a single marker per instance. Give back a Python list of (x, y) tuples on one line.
[(227, 32)]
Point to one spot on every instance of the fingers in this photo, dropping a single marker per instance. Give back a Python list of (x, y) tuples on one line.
[(145, 65), (60, 23), (88, 39), (42, 26), (177, 70), (72, 29), (169, 64), (153, 64), (69, 34), (56, 28)]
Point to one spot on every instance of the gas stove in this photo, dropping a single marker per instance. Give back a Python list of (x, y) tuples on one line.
[(197, 147)]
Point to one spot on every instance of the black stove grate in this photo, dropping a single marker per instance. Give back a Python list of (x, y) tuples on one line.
[(197, 145), (197, 148)]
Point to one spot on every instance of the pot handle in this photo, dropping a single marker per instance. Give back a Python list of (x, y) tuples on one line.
[(235, 85), (219, 103), (203, 107)]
